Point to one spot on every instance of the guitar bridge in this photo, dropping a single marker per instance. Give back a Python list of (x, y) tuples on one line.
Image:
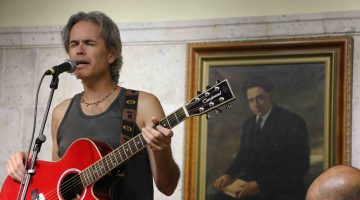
[(36, 196)]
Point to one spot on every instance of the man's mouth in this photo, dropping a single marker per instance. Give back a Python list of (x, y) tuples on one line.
[(79, 62)]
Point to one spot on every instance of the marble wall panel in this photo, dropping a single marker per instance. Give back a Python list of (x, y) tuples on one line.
[(18, 80)]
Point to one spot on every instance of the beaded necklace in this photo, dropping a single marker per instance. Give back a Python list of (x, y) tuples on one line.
[(96, 102)]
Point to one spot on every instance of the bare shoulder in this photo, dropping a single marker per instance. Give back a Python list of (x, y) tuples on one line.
[(61, 108), (148, 106), (146, 98)]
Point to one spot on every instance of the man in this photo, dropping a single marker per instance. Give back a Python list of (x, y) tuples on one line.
[(274, 151), (336, 183), (93, 41)]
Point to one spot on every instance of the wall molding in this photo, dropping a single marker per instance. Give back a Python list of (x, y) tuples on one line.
[(226, 29)]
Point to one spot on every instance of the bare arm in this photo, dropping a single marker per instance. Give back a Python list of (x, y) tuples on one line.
[(164, 169)]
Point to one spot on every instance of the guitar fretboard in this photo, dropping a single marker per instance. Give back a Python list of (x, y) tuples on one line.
[(125, 151)]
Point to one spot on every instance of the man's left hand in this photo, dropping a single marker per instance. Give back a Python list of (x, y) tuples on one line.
[(158, 138), (251, 188)]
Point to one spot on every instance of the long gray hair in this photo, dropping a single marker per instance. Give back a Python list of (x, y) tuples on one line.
[(109, 31)]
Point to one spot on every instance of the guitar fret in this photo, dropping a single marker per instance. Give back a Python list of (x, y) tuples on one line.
[(93, 175), (89, 175), (97, 169), (118, 152), (138, 142), (168, 122), (110, 163), (182, 114), (83, 179), (102, 166), (176, 118), (129, 147), (112, 160), (88, 180), (136, 149), (125, 150)]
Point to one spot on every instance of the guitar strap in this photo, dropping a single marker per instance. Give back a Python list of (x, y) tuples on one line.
[(113, 179), (129, 115), (128, 121)]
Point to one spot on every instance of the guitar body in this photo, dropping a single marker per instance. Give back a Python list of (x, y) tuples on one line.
[(50, 175)]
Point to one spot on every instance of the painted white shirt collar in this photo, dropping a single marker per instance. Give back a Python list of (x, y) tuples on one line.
[(264, 117)]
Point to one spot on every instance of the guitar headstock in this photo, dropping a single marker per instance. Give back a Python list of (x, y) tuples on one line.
[(211, 99)]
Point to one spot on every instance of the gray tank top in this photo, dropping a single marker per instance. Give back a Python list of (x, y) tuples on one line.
[(105, 127)]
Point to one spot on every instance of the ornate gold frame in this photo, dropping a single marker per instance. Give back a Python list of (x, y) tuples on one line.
[(334, 52)]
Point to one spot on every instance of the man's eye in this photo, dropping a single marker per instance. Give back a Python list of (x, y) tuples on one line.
[(91, 43), (260, 98)]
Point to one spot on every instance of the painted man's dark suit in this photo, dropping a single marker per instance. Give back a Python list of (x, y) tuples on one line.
[(278, 159)]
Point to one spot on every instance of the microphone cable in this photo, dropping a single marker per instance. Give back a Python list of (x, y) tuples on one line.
[(32, 137)]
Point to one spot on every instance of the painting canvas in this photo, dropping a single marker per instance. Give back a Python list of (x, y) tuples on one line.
[(311, 77)]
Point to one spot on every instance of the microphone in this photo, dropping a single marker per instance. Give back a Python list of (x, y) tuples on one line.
[(67, 66)]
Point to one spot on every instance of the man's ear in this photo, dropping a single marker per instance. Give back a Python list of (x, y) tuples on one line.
[(111, 57)]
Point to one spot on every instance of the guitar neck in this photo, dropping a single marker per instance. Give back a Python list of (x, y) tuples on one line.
[(127, 150)]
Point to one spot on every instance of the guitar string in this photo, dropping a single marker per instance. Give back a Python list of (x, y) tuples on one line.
[(74, 181)]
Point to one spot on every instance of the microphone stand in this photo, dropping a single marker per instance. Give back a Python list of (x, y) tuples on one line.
[(38, 142)]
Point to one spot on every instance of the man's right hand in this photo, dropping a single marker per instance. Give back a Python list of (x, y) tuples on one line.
[(15, 165), (221, 182)]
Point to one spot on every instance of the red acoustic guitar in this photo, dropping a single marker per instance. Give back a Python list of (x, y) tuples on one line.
[(87, 162)]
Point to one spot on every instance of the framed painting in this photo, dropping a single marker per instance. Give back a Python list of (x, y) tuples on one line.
[(311, 77)]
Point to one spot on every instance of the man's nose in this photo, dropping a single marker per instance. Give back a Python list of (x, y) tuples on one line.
[(256, 102), (80, 49)]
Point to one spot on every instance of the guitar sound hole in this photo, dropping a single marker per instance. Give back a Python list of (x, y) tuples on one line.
[(71, 186)]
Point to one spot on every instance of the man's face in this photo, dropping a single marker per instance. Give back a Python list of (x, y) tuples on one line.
[(259, 100), (87, 48)]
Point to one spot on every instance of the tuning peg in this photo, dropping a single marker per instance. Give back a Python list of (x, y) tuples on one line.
[(208, 87), (208, 116), (201, 109), (228, 106), (217, 81), (218, 111), (198, 92)]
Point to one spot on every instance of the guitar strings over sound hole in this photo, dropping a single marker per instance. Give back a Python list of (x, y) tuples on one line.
[(71, 186)]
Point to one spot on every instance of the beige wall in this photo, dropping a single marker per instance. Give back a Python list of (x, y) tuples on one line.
[(51, 12)]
